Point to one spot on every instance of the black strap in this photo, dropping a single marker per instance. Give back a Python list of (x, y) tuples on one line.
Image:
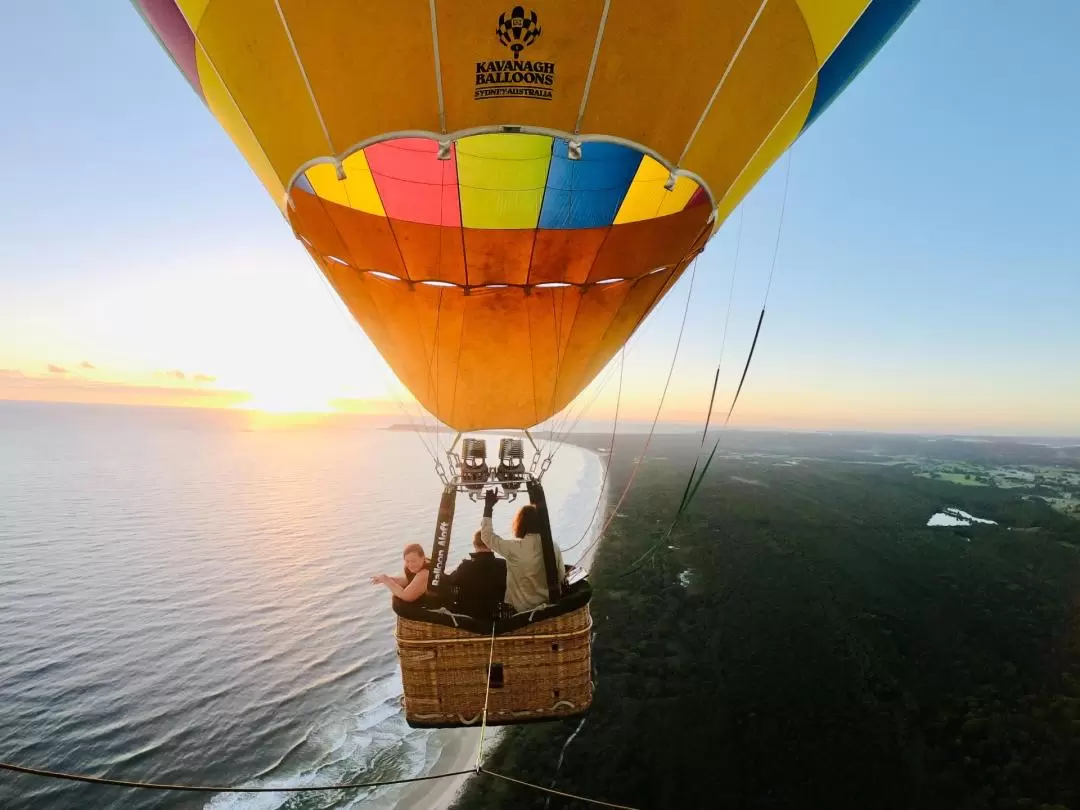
[(554, 577), (440, 549)]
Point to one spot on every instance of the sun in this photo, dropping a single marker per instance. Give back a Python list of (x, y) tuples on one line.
[(289, 399)]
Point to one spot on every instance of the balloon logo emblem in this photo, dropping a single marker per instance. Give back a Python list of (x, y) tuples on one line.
[(518, 29)]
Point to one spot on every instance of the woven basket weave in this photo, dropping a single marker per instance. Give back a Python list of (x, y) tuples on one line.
[(545, 668)]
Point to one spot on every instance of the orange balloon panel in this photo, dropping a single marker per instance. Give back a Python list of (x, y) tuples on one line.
[(497, 356)]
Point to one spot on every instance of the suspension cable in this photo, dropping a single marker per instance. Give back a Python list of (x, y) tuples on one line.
[(563, 429), (557, 792), (720, 356), (689, 492), (692, 486), (611, 455), (354, 330), (479, 768), (100, 780), (487, 697), (727, 320), (656, 416)]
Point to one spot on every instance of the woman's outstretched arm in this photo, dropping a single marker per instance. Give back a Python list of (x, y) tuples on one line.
[(409, 593)]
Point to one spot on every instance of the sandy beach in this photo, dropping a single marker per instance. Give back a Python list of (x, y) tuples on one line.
[(459, 747)]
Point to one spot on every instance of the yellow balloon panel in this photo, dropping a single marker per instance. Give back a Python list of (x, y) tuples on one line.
[(501, 180), (829, 21), (758, 91), (773, 148), (658, 66), (248, 48), (221, 104), (357, 190), (371, 65), (193, 11), (648, 196)]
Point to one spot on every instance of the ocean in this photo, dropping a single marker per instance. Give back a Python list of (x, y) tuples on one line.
[(184, 598)]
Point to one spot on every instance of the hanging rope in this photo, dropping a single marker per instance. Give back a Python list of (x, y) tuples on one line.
[(692, 485), (720, 357), (353, 329), (566, 426), (691, 490), (727, 320), (652, 429), (487, 696), (99, 780), (477, 769), (611, 455), (480, 750), (554, 792)]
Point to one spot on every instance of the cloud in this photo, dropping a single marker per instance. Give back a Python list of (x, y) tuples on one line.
[(57, 369), (87, 364), (203, 378), (15, 385), (176, 375)]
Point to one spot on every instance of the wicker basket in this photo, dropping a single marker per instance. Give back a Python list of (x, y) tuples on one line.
[(542, 671)]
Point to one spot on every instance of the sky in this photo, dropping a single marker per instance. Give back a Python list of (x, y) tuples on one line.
[(927, 276)]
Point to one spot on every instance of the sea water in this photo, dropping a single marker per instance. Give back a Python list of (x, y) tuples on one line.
[(184, 597)]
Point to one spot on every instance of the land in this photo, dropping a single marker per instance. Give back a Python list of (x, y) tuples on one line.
[(801, 638)]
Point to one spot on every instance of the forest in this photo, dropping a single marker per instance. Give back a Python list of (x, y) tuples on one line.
[(801, 638)]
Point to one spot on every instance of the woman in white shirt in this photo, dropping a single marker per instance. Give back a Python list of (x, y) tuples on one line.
[(526, 577)]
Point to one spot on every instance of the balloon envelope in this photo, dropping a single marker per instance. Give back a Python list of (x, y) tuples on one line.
[(502, 193)]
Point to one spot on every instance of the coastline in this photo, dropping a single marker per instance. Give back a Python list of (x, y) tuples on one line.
[(459, 746), (601, 514), (458, 753)]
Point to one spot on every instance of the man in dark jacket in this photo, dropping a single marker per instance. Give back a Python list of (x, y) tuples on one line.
[(479, 582)]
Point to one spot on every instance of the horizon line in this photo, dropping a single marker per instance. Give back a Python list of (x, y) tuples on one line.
[(681, 427)]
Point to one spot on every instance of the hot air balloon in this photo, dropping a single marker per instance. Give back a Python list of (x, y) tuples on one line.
[(501, 194)]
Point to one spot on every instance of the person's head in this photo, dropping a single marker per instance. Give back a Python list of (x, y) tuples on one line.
[(478, 542), (527, 521), (415, 561)]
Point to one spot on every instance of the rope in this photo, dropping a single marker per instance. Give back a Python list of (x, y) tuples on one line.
[(477, 768), (98, 780), (656, 416), (554, 792), (692, 486), (689, 493), (720, 357), (779, 228), (563, 430), (487, 696), (354, 330), (564, 426), (557, 320), (727, 321), (611, 454)]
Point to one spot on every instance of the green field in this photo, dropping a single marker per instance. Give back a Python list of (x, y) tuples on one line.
[(956, 478), (830, 650)]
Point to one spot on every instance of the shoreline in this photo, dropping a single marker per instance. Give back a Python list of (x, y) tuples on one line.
[(600, 515), (459, 746), (458, 753)]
